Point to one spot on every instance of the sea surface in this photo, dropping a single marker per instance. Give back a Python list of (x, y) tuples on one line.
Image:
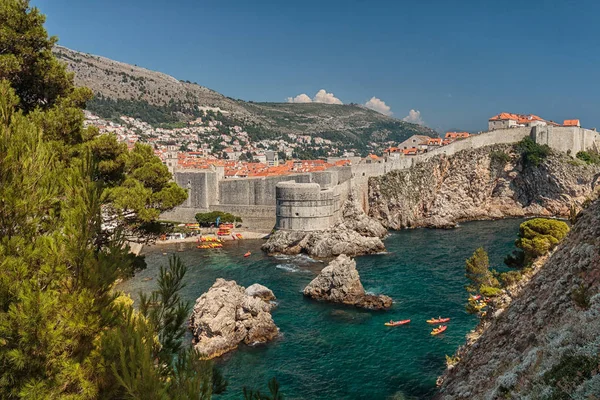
[(328, 351)]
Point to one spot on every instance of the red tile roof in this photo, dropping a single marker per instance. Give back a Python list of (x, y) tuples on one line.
[(571, 122)]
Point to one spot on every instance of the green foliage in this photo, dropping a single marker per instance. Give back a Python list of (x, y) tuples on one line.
[(569, 373), (510, 278), (515, 260), (210, 218), (589, 157), (478, 271), (540, 235), (250, 394), (489, 291), (533, 154), (499, 157), (581, 296), (27, 62)]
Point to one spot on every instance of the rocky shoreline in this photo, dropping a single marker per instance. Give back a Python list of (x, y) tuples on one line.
[(488, 183)]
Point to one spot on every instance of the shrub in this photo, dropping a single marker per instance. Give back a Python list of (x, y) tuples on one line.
[(209, 218), (511, 277), (499, 157), (581, 296), (589, 157), (533, 154), (489, 291), (540, 235), (569, 373), (478, 271)]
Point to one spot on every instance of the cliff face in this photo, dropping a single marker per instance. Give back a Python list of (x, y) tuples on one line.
[(546, 343), (479, 184)]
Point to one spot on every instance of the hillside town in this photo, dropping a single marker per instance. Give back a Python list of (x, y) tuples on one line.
[(201, 144)]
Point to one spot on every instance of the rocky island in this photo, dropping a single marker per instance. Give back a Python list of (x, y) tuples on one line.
[(339, 282), (228, 315)]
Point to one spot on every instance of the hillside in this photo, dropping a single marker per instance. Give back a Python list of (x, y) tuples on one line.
[(159, 98)]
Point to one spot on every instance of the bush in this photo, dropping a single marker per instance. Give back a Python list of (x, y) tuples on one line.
[(589, 157), (533, 154), (569, 373), (489, 291), (581, 296), (540, 235), (499, 157), (511, 277), (209, 218)]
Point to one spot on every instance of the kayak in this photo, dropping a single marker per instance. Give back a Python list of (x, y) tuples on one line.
[(437, 320), (437, 331), (475, 297), (247, 254), (396, 323)]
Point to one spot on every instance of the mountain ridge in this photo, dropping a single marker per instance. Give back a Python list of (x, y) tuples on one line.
[(133, 86)]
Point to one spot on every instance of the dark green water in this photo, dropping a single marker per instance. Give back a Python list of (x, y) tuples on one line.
[(328, 351)]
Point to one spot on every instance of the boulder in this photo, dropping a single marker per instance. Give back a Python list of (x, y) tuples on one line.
[(339, 282), (227, 314)]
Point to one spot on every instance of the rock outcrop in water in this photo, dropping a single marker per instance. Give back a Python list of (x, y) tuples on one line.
[(545, 343), (486, 183), (339, 282), (356, 234), (228, 314)]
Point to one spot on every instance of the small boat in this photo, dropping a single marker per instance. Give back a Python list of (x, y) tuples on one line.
[(247, 254), (396, 323), (438, 330), (475, 297), (438, 320)]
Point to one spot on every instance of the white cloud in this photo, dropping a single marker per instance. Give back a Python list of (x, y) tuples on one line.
[(379, 106), (414, 117), (321, 97), (301, 98), (328, 98)]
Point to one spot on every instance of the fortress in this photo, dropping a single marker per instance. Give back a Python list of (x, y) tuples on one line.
[(313, 200)]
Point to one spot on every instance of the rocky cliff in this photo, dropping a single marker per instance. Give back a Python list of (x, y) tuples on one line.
[(546, 343), (356, 234), (486, 183), (228, 314), (339, 282)]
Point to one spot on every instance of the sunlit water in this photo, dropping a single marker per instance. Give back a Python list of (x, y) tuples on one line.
[(328, 351)]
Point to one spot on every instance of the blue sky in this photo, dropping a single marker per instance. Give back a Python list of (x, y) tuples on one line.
[(456, 62)]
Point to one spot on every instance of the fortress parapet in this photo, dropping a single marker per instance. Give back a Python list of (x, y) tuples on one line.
[(305, 207)]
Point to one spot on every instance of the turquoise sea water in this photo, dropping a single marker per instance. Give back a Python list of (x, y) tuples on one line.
[(328, 351)]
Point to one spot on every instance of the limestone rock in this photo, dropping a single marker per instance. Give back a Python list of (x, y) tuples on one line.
[(260, 291), (550, 322), (356, 234), (339, 282), (472, 185), (227, 314)]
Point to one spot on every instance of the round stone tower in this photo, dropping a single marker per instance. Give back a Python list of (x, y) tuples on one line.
[(304, 206)]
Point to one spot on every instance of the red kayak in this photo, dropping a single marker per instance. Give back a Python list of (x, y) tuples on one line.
[(247, 254), (440, 329), (396, 323), (438, 320)]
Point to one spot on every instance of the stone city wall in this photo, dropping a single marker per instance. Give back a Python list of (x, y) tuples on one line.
[(256, 199)]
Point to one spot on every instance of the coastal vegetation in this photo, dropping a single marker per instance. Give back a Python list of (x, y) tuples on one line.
[(536, 238), (532, 153), (210, 218), (64, 333), (589, 157)]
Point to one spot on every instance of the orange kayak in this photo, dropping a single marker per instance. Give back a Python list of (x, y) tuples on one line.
[(396, 323), (247, 254), (437, 320), (440, 329)]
